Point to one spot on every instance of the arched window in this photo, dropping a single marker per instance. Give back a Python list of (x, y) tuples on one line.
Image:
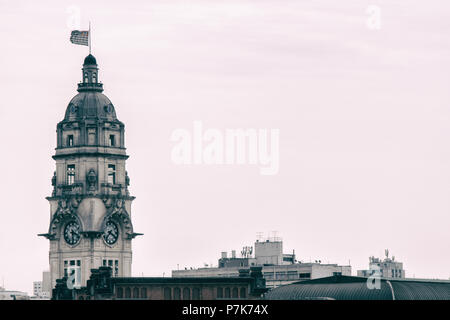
[(127, 293), (219, 293), (235, 294), (86, 79), (243, 293), (227, 293), (167, 294), (144, 293), (176, 294), (186, 294), (94, 78), (136, 293), (196, 294), (120, 292)]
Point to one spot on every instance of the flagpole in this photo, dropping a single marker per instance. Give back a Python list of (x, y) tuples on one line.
[(89, 35)]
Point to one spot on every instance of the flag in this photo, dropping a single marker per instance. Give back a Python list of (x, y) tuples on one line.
[(80, 37)]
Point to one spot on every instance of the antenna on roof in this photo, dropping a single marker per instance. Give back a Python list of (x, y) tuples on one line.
[(259, 236)]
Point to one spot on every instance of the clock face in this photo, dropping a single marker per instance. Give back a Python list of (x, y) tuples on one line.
[(111, 233), (72, 233)]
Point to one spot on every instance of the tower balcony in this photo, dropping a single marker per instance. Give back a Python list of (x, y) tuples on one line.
[(92, 151), (69, 189), (90, 86), (109, 188)]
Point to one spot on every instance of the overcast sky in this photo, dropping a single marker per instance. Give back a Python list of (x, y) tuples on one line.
[(363, 114)]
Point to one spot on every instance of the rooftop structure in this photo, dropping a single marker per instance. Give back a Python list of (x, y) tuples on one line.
[(386, 268), (277, 268)]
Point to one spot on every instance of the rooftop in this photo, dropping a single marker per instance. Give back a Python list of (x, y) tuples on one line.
[(356, 288)]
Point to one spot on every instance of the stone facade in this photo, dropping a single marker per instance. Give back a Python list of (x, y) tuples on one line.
[(90, 206)]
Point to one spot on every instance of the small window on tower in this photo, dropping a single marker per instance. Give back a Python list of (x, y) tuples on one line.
[(86, 79), (111, 174), (70, 174), (116, 268), (112, 140), (94, 78), (70, 140)]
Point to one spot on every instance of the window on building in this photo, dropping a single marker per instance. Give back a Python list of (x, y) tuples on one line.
[(196, 294), (167, 293), (73, 267), (119, 293), (269, 275), (144, 293), (186, 294), (127, 293), (70, 174), (304, 275), (136, 293), (219, 293), (116, 268), (235, 293), (70, 140), (111, 174), (176, 294), (227, 293), (86, 79), (243, 293), (113, 264), (94, 78), (281, 275), (112, 140)]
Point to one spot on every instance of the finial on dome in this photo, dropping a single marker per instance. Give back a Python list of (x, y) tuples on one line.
[(90, 59)]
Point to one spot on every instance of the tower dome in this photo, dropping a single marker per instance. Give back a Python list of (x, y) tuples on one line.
[(90, 118), (90, 59), (90, 102)]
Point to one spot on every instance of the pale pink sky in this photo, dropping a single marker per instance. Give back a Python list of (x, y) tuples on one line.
[(363, 118)]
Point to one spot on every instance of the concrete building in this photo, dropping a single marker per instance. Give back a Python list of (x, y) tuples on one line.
[(90, 206), (37, 288), (42, 289), (386, 268), (277, 268), (46, 284)]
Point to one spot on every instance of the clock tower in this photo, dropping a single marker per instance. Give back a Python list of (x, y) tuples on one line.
[(90, 206)]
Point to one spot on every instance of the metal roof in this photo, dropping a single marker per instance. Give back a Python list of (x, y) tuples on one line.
[(355, 288)]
